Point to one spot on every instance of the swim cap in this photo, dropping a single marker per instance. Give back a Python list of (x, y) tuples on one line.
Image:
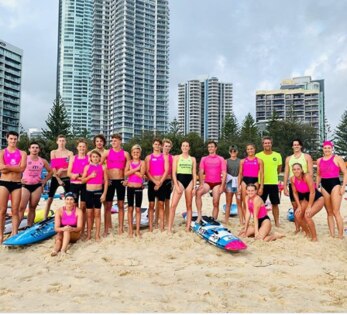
[(328, 142), (69, 194)]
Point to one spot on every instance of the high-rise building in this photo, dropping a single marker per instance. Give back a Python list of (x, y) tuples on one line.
[(203, 105), (300, 97), (10, 88), (126, 49)]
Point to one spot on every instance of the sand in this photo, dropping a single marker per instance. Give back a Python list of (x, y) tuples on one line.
[(179, 273)]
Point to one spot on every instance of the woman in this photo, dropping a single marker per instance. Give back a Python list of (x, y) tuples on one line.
[(328, 175), (95, 177), (68, 224), (134, 171), (184, 178), (262, 225), (251, 172), (308, 199)]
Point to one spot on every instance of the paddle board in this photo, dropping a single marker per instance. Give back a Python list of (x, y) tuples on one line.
[(114, 208), (290, 215), (233, 209), (38, 232), (56, 196), (144, 217), (216, 234), (8, 225), (40, 213)]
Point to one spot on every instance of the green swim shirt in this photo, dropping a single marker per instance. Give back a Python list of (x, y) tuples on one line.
[(271, 163)]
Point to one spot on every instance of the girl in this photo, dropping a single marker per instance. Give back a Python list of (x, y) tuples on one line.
[(308, 199), (251, 172), (95, 177), (184, 178), (262, 224), (135, 170), (328, 172), (68, 224)]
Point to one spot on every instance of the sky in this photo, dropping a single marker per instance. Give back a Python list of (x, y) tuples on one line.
[(254, 44)]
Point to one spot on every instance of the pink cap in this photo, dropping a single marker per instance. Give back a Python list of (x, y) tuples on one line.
[(328, 142)]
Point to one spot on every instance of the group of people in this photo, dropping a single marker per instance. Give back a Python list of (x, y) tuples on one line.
[(92, 179)]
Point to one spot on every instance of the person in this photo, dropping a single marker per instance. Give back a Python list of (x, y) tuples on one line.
[(116, 159), (99, 142), (328, 171), (95, 178), (233, 168), (262, 224), (59, 163), (184, 179), (251, 172), (75, 171), (212, 176), (32, 184), (308, 199), (307, 166), (272, 167), (68, 225), (157, 167), (12, 164), (167, 145), (135, 171)]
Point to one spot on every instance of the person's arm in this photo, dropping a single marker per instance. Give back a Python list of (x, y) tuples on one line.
[(86, 178), (296, 196), (142, 170), (239, 179), (174, 170), (286, 177), (104, 193), (247, 219), (201, 173), (104, 157), (309, 181), (148, 174), (257, 204), (341, 163), (166, 170), (194, 173), (69, 169), (224, 175), (78, 228), (309, 164), (127, 170), (318, 178), (261, 177), (57, 221), (49, 172), (16, 168)]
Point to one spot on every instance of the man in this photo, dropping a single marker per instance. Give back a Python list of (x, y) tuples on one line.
[(12, 164), (212, 176), (272, 167), (307, 166), (59, 163), (99, 142), (157, 167), (116, 159)]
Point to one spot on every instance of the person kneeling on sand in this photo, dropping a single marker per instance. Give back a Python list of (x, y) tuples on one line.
[(262, 224), (68, 224)]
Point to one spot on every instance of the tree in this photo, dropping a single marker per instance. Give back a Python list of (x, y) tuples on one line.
[(57, 121), (249, 133), (230, 128), (175, 135), (340, 138)]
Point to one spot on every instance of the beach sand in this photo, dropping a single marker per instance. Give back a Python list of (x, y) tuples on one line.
[(179, 273)]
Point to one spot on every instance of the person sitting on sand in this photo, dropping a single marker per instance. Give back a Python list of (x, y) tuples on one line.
[(68, 224), (262, 225)]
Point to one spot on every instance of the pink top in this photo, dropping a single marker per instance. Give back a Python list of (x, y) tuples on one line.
[(116, 159), (301, 186), (33, 170), (78, 167), (262, 211), (157, 165), (251, 167), (213, 166), (99, 178), (71, 219), (133, 178), (60, 163), (12, 158), (328, 169)]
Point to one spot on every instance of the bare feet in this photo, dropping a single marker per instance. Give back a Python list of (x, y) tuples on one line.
[(54, 253)]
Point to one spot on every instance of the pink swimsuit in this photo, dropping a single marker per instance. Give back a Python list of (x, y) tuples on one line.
[(251, 167), (301, 186), (133, 178), (328, 169), (33, 170), (78, 167), (71, 219), (157, 165), (60, 163), (12, 158), (262, 211), (116, 159), (99, 179), (213, 166)]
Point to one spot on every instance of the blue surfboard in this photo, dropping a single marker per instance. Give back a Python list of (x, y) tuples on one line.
[(37, 233), (233, 209)]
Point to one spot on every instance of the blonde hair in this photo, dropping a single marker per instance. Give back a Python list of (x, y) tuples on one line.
[(136, 146), (167, 141)]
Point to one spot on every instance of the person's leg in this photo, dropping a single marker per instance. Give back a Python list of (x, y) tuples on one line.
[(228, 199), (52, 189), (264, 230), (97, 219), (15, 202), (90, 221), (242, 213), (23, 204), (189, 201), (66, 241), (108, 206), (300, 217), (161, 214), (34, 201), (4, 193), (316, 207), (330, 213), (120, 203), (215, 200), (275, 201), (336, 199), (57, 244), (198, 199), (176, 196)]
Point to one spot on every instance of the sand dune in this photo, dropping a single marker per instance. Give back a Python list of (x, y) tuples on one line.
[(179, 273)]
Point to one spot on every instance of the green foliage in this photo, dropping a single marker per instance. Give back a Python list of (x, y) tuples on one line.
[(230, 128), (249, 133), (23, 142), (340, 139), (57, 121)]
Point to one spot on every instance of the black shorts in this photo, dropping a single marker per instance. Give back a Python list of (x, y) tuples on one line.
[(250, 180), (79, 190), (291, 195), (93, 199), (329, 183), (306, 196), (11, 186), (168, 188), (261, 220), (152, 194), (184, 179), (272, 192), (115, 185), (54, 186), (134, 193), (31, 187)]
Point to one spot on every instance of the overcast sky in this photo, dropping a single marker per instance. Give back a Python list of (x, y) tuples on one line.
[(252, 43)]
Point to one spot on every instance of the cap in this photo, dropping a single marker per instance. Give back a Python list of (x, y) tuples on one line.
[(69, 194), (327, 142), (233, 147)]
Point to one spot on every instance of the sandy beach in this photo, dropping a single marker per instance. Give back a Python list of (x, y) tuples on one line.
[(179, 273)]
